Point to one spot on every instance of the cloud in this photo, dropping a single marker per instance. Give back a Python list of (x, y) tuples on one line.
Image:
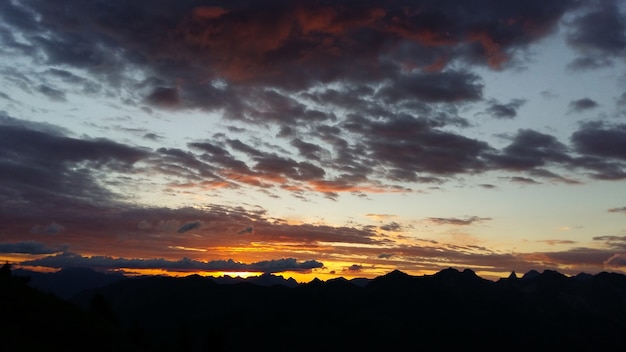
[(618, 210), (189, 226), (51, 93), (524, 180), (392, 226), (457, 222), (40, 166), (248, 229), (599, 31), (601, 140), (448, 86), (52, 229), (505, 111), (68, 259), (205, 58), (557, 242), (615, 242), (583, 104), (355, 268), (164, 97), (616, 261), (586, 63), (27, 247), (530, 149)]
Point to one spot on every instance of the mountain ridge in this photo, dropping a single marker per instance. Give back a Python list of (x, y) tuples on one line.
[(448, 309)]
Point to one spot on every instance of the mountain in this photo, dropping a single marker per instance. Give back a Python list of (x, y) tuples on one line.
[(33, 320), (450, 309), (69, 281)]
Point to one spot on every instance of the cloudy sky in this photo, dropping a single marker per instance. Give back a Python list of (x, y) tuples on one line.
[(313, 138)]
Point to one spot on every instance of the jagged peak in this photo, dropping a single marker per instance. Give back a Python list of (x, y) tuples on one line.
[(396, 273), (531, 274)]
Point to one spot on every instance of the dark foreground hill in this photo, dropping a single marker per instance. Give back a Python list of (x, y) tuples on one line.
[(32, 320), (451, 309)]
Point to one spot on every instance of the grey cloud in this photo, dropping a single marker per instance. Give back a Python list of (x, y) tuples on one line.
[(583, 104), (458, 222), (505, 111), (189, 226), (524, 180), (601, 140), (600, 29), (589, 62), (51, 229), (52, 93), (530, 149), (40, 166), (392, 226), (448, 86), (68, 259), (308, 150), (27, 247), (272, 164)]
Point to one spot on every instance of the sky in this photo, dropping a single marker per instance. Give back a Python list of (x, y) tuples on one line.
[(313, 138)]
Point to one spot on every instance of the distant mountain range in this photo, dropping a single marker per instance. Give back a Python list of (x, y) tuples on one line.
[(396, 311)]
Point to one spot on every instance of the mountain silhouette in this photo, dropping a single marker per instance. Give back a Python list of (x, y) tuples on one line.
[(33, 320), (449, 309)]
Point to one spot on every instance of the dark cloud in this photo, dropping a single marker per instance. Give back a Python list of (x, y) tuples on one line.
[(600, 30), (488, 186), (530, 149), (68, 259), (354, 268), (269, 43), (410, 146), (613, 242), (505, 111), (52, 93), (259, 62), (51, 229), (392, 226), (164, 97), (580, 256), (41, 168), (308, 150), (189, 226), (27, 247), (523, 180), (278, 166), (459, 222), (583, 104), (601, 140), (448, 86), (248, 229), (585, 63)]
